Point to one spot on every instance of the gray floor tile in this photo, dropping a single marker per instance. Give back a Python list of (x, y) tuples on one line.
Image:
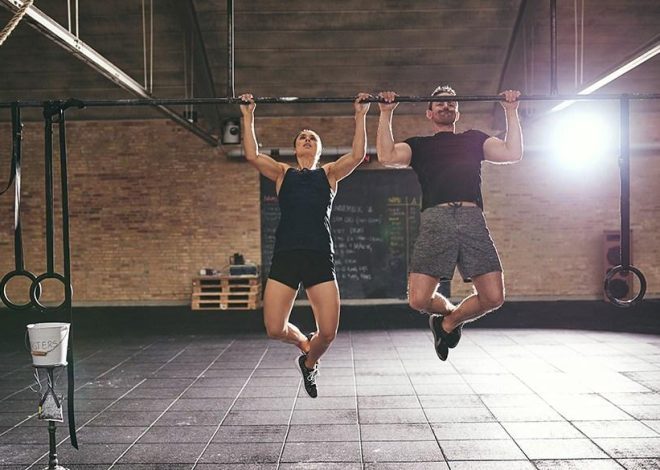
[(175, 434), (404, 451), (468, 431), (299, 452), (382, 416), (247, 417), (543, 430), (396, 432), (594, 429), (639, 447), (324, 417), (254, 453), (327, 403), (166, 452), (323, 433), (641, 464), (542, 449), (321, 466), (581, 464), (459, 415), (491, 465), (487, 449), (406, 466), (389, 402), (246, 434)]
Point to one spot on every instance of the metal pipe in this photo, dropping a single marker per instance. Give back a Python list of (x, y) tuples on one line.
[(345, 99), (624, 175), (230, 49), (512, 41), (48, 178), (553, 47)]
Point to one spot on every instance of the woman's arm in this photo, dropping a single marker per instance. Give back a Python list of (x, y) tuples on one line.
[(266, 165), (345, 165)]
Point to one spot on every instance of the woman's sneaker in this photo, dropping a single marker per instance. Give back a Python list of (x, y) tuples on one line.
[(308, 375)]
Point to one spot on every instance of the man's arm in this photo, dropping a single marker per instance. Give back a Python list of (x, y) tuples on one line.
[(390, 154), (267, 166), (510, 149), (345, 165)]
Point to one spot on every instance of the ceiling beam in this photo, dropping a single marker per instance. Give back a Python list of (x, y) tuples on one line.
[(62, 37), (190, 22)]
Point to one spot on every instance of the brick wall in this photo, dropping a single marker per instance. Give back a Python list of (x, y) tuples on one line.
[(151, 204)]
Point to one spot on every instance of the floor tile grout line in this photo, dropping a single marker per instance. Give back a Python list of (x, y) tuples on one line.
[(89, 421), (171, 404), (357, 402), (222, 420), (77, 389), (288, 425), (428, 422)]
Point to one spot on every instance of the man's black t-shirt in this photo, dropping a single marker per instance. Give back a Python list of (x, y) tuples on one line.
[(448, 166)]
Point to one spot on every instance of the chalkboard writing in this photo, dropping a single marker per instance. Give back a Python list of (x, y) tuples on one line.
[(375, 221)]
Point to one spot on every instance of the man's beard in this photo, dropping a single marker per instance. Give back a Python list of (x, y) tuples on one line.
[(445, 118)]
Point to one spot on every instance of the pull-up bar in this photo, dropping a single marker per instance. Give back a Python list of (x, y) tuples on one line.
[(331, 99)]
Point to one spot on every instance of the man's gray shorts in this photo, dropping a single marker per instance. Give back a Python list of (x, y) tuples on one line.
[(454, 236)]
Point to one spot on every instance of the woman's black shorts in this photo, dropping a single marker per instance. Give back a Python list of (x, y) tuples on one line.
[(310, 267)]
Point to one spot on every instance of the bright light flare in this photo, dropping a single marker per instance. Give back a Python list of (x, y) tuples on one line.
[(580, 140)]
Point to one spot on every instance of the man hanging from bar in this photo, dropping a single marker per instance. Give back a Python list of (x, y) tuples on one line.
[(453, 229)]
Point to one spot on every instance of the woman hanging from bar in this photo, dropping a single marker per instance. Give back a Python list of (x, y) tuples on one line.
[(303, 250)]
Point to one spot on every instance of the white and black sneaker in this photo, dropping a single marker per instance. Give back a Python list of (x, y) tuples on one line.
[(308, 375)]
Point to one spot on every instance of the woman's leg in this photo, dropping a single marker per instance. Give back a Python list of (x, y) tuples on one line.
[(278, 302), (324, 299)]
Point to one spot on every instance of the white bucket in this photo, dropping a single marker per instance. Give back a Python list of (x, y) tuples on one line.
[(48, 343)]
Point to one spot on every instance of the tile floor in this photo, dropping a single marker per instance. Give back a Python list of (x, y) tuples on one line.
[(505, 400)]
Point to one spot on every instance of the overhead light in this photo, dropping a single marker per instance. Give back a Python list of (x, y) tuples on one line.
[(646, 54), (581, 139)]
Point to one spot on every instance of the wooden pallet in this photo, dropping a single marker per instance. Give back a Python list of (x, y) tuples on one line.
[(226, 293), (224, 305)]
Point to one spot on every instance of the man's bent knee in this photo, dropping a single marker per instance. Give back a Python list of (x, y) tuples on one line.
[(419, 302), (491, 302)]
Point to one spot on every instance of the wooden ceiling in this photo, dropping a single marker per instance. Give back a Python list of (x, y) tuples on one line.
[(302, 48)]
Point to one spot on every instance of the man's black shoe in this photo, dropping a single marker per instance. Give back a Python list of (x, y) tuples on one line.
[(441, 348), (451, 339), (308, 375)]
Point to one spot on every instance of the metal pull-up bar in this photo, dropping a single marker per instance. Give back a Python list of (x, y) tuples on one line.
[(338, 99)]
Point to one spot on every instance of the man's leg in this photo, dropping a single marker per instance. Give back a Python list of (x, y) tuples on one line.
[(423, 295), (489, 296)]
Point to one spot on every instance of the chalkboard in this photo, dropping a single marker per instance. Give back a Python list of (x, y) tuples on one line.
[(375, 221)]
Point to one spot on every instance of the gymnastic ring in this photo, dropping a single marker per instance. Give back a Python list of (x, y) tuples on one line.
[(620, 269), (3, 287), (36, 284)]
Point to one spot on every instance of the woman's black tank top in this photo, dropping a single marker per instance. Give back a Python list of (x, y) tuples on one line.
[(305, 201)]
